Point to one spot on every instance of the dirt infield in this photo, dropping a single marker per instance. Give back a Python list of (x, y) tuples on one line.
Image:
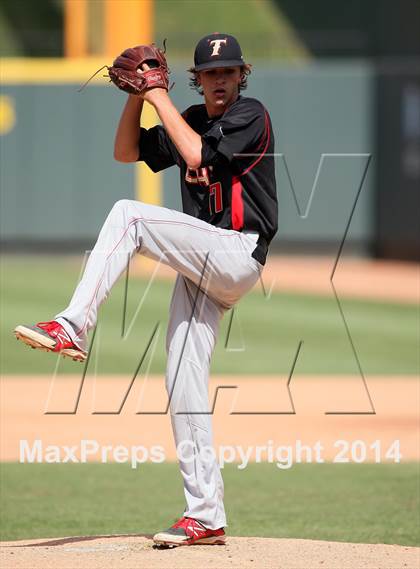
[(121, 552), (316, 408)]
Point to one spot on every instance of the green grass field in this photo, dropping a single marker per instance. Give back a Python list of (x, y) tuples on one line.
[(356, 503), (264, 335)]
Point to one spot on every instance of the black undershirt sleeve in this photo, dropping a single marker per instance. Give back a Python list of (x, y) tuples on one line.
[(156, 149)]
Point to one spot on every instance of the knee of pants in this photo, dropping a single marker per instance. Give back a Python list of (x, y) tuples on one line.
[(125, 206), (122, 206), (124, 212)]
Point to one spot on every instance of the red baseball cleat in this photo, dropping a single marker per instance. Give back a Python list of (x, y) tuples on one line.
[(50, 337), (188, 531)]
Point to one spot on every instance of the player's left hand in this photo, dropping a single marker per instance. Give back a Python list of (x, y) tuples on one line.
[(152, 93), (140, 68)]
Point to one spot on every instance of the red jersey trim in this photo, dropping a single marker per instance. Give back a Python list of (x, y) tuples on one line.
[(237, 205), (265, 135)]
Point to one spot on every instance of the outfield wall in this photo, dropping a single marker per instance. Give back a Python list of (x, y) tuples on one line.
[(59, 179)]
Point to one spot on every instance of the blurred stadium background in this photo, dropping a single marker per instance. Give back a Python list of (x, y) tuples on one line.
[(338, 78)]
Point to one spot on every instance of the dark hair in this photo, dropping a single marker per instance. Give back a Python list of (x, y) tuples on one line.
[(245, 71)]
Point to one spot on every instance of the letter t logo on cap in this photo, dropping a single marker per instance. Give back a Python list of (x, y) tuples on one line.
[(216, 44)]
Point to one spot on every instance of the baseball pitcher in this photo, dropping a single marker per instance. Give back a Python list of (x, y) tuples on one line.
[(218, 244)]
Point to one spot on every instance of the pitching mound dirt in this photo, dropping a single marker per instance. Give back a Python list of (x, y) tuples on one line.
[(239, 552)]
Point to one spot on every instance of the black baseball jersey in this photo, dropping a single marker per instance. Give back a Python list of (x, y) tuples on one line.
[(235, 186)]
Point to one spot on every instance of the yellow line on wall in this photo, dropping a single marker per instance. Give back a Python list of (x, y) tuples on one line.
[(148, 184), (127, 23), (31, 71), (75, 28)]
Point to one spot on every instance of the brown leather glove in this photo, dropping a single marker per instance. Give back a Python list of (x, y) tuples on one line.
[(123, 72)]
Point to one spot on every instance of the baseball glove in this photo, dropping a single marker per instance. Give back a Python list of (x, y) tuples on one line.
[(123, 72)]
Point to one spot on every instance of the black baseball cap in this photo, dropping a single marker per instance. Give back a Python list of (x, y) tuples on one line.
[(217, 50)]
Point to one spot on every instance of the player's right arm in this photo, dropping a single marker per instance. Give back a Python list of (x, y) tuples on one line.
[(127, 137)]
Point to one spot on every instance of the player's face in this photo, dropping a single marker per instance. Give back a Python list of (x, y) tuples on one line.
[(220, 86)]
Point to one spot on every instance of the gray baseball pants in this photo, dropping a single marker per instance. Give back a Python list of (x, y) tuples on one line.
[(215, 269)]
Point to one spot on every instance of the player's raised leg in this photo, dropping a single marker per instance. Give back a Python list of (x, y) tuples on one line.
[(220, 260)]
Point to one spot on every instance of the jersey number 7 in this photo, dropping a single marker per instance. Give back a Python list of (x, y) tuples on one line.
[(215, 196)]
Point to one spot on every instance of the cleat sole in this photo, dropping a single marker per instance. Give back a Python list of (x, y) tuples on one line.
[(38, 342), (214, 540)]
